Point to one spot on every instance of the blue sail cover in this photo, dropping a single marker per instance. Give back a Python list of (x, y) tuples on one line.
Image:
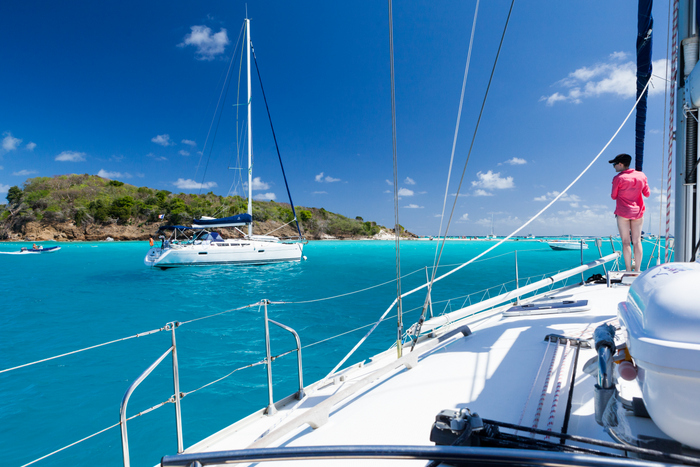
[(232, 221), (644, 27)]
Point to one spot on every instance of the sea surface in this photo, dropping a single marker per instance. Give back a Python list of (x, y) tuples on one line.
[(87, 294)]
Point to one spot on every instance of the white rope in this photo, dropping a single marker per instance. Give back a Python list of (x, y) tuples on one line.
[(551, 202)]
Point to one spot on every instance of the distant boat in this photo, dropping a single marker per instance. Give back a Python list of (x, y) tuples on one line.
[(567, 245), (32, 251)]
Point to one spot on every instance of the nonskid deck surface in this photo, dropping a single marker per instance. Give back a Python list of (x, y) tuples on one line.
[(504, 371)]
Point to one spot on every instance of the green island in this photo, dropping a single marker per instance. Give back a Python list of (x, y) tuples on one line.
[(90, 208)]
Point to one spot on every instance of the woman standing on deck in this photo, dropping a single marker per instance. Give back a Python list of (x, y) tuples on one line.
[(628, 186)]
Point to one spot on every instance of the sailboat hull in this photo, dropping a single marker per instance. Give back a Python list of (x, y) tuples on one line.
[(564, 245), (227, 252)]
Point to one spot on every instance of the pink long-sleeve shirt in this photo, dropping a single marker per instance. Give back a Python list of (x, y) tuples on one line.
[(627, 189)]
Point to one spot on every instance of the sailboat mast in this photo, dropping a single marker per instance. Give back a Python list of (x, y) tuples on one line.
[(250, 133)]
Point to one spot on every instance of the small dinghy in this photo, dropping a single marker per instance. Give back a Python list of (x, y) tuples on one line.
[(31, 251)]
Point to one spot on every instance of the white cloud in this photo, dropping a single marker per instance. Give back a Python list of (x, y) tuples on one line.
[(258, 185), (112, 175), (482, 193), (409, 181), (265, 197), (184, 153), (516, 161), (208, 45), (464, 217), (189, 142), (70, 156), (163, 140), (319, 193), (619, 55), (9, 142), (573, 200), (413, 206), (405, 192), (328, 179), (389, 182), (192, 185), (612, 78), (493, 181), (30, 146), (24, 173), (4, 188), (158, 158)]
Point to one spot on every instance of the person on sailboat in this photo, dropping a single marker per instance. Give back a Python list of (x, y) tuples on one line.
[(628, 187)]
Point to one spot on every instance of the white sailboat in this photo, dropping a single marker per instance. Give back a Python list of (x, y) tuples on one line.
[(199, 245), (491, 236)]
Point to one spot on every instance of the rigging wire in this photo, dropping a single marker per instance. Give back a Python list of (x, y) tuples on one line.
[(397, 226), (459, 117), (469, 153), (227, 85), (206, 140), (239, 139), (289, 194)]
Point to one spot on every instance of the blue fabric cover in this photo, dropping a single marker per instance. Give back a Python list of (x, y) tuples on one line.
[(644, 26), (238, 219)]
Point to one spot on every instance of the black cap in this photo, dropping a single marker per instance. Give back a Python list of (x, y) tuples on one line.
[(626, 159)]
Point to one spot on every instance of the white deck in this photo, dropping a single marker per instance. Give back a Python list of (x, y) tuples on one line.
[(498, 371)]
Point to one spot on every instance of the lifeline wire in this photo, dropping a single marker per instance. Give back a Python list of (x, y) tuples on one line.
[(345, 294), (86, 348), (97, 433)]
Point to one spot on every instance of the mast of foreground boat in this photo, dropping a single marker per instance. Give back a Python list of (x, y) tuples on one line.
[(250, 132)]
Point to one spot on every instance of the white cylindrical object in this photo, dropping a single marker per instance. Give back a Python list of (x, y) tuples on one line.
[(690, 54)]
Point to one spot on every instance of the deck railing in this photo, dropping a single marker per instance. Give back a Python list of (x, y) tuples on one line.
[(175, 398)]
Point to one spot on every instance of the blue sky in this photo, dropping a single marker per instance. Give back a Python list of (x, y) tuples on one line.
[(128, 91)]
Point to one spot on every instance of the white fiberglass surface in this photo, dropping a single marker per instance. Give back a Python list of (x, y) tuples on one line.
[(504, 371)]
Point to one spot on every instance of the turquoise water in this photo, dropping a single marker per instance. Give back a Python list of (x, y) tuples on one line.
[(90, 293)]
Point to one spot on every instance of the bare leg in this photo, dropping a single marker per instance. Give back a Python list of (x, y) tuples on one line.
[(636, 227), (624, 226)]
